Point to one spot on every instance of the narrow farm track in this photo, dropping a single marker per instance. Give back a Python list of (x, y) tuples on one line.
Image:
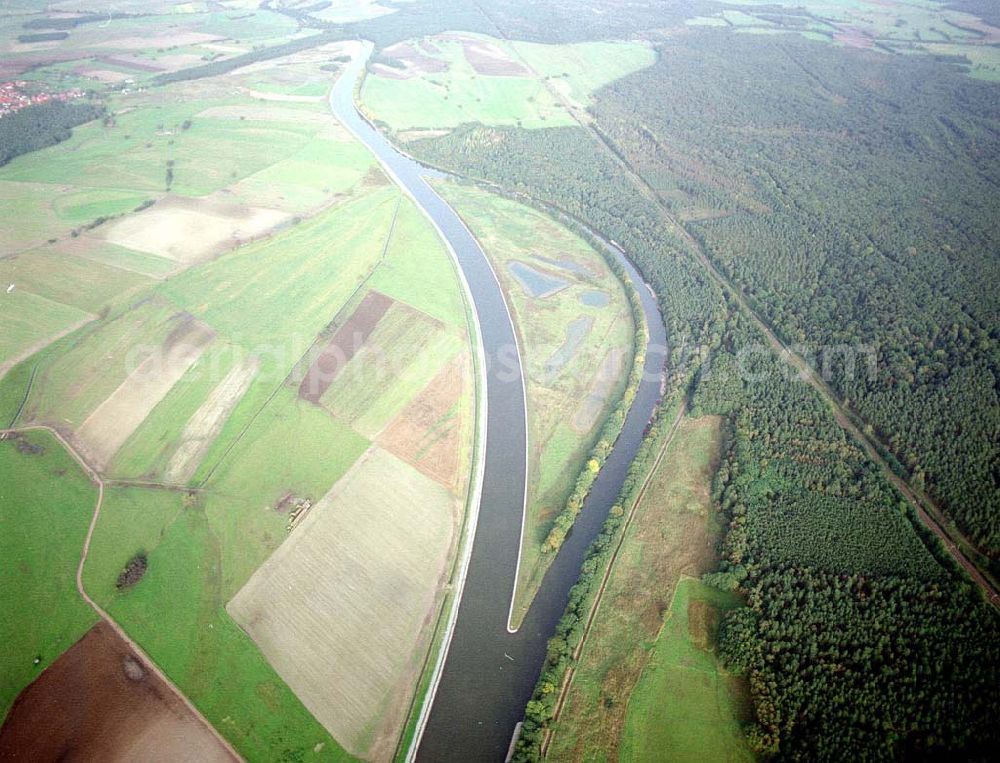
[(119, 631)]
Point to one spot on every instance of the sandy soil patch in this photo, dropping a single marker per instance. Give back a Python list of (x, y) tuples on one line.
[(188, 230), (344, 609), (287, 97), (348, 339), (601, 386), (131, 61), (427, 434), (206, 423), (98, 702), (114, 420)]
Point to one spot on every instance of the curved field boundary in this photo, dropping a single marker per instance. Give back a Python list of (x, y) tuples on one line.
[(119, 631)]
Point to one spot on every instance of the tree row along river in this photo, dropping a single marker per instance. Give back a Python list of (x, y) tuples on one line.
[(490, 672)]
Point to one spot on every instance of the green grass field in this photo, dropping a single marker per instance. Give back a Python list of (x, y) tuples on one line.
[(511, 232), (70, 280), (290, 286), (672, 535), (176, 613), (269, 300), (685, 707), (93, 362), (530, 98), (29, 319), (46, 503)]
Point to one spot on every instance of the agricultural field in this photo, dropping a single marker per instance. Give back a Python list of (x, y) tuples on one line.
[(46, 503), (169, 343), (353, 653), (902, 26), (443, 81), (128, 713), (116, 53), (575, 329), (672, 534)]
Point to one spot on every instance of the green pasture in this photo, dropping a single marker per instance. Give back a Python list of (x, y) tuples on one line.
[(46, 504), (685, 707), (291, 445), (418, 270), (176, 613), (402, 355), (673, 533), (310, 177), (74, 281), (106, 253), (28, 319), (287, 288), (148, 451), (94, 361), (580, 69), (458, 95)]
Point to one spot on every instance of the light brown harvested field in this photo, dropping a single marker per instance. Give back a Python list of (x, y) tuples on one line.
[(103, 75), (132, 61), (344, 609), (348, 339), (114, 420), (258, 112), (178, 61), (489, 59), (391, 72), (601, 386), (287, 97), (160, 41), (97, 702), (188, 230), (206, 423), (428, 433)]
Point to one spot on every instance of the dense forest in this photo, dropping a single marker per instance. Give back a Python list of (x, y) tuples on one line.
[(861, 639), (854, 198), (855, 209), (41, 125)]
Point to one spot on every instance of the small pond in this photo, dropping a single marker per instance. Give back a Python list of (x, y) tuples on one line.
[(595, 298), (535, 282)]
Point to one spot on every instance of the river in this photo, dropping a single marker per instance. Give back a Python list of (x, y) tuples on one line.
[(489, 672)]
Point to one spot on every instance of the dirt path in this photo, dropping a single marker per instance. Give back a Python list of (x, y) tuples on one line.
[(119, 631), (647, 480)]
